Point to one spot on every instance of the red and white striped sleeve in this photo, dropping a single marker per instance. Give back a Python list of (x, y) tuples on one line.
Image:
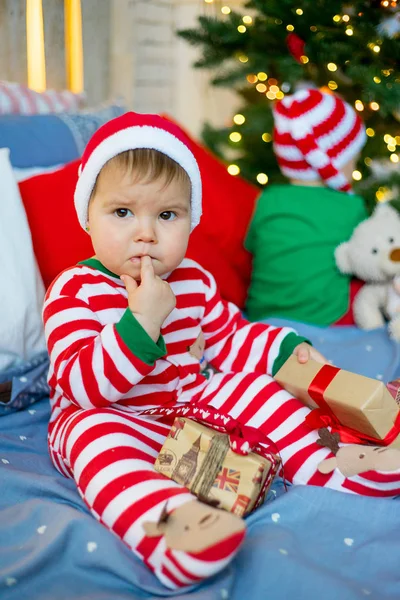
[(234, 344), (90, 364)]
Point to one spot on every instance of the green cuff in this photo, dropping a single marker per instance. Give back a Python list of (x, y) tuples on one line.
[(138, 340), (287, 346)]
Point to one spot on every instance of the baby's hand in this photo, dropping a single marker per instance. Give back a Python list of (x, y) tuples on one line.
[(152, 300), (304, 352)]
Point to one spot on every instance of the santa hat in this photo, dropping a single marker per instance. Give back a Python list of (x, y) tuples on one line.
[(315, 135), (128, 132)]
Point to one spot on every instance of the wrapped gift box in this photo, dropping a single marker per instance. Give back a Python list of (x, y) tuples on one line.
[(360, 403), (200, 459)]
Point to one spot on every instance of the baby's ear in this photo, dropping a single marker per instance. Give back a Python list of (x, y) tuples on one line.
[(328, 465), (342, 258)]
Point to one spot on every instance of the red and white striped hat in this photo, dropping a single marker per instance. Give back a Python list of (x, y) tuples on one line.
[(129, 132), (315, 135)]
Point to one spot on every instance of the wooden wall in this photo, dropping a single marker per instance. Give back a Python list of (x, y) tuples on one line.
[(96, 43), (142, 53), (152, 68), (96, 49), (12, 40), (130, 50)]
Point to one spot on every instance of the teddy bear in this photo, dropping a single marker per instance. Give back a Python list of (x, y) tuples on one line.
[(373, 255)]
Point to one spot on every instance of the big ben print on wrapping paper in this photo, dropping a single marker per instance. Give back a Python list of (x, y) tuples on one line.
[(201, 459), (186, 467)]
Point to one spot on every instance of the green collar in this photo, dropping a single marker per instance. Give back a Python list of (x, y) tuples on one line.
[(94, 263)]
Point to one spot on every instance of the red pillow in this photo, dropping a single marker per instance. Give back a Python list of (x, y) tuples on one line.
[(228, 205), (217, 243), (58, 239)]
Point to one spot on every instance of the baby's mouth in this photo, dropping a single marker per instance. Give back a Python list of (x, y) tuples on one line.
[(137, 259)]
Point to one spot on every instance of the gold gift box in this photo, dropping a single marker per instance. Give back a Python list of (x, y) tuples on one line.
[(235, 481), (357, 402)]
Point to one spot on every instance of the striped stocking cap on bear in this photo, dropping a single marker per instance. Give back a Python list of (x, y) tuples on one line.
[(131, 131), (315, 135)]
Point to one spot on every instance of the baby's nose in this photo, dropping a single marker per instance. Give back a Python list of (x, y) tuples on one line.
[(145, 232)]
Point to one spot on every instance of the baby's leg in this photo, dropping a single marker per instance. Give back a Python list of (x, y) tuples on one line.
[(110, 454), (259, 401)]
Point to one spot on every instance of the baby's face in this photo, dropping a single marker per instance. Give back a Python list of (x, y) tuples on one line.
[(130, 219)]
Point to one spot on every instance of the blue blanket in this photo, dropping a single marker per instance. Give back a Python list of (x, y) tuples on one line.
[(306, 544)]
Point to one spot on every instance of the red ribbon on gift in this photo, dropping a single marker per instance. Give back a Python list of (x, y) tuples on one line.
[(317, 387), (324, 416), (243, 439)]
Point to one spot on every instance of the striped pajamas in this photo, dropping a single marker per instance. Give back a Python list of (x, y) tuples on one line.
[(105, 370)]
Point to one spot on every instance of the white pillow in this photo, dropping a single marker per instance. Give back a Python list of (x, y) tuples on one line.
[(21, 286)]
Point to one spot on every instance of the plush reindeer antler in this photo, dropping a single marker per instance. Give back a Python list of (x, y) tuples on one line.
[(329, 440), (164, 515)]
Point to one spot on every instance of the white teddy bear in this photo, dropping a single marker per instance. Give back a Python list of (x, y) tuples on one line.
[(373, 255)]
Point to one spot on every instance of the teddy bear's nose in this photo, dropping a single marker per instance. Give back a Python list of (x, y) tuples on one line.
[(395, 255)]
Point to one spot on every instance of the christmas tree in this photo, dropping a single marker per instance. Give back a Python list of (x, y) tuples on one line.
[(278, 46)]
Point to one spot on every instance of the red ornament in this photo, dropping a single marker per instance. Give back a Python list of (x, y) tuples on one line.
[(296, 46)]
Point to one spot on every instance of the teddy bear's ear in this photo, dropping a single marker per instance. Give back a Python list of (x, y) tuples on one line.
[(342, 258), (384, 209)]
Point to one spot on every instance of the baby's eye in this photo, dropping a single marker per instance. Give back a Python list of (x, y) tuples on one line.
[(391, 240), (122, 212), (374, 250), (167, 215)]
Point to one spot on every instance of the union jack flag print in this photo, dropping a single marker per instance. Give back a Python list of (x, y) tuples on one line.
[(228, 480)]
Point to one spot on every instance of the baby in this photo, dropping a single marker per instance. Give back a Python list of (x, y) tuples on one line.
[(125, 330), (317, 139)]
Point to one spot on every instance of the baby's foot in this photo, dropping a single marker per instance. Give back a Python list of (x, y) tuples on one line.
[(201, 540)]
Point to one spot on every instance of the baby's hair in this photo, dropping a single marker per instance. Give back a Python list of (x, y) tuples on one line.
[(146, 164)]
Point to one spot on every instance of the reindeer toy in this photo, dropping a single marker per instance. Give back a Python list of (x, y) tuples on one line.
[(354, 459), (200, 526)]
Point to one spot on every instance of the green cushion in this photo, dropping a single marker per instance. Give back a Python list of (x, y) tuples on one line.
[(293, 236)]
